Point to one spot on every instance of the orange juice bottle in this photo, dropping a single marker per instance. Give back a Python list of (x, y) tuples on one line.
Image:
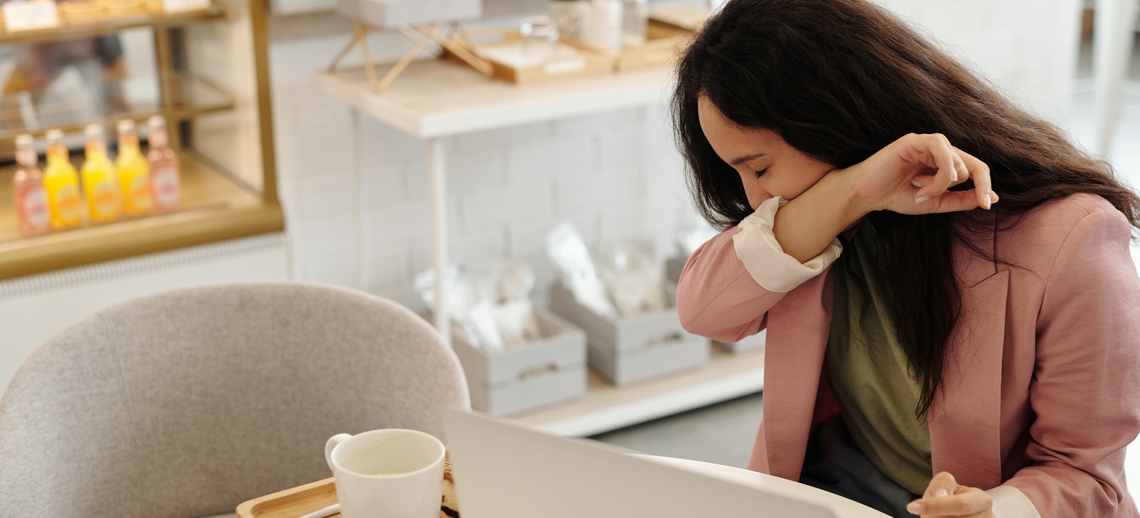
[(32, 213), (100, 180), (165, 181), (62, 184), (134, 172)]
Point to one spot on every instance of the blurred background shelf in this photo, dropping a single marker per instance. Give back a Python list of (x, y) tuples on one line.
[(434, 97), (111, 24), (606, 407), (215, 207), (138, 99)]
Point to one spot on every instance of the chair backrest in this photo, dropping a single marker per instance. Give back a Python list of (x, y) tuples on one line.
[(189, 402)]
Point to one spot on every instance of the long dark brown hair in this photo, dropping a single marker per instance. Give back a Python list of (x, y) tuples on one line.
[(840, 80)]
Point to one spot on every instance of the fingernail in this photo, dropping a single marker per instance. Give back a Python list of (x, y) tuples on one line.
[(993, 197), (923, 199), (915, 508), (916, 183), (941, 493), (988, 201)]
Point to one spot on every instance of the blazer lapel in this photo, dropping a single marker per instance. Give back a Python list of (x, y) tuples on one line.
[(797, 339), (965, 417)]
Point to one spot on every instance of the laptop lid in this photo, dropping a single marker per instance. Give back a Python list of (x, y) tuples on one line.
[(503, 470)]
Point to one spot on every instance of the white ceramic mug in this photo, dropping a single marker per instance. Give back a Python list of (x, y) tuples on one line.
[(387, 473)]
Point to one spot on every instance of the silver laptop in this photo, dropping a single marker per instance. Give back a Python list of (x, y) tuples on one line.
[(503, 470)]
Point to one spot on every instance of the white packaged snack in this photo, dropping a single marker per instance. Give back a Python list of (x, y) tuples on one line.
[(572, 259), (634, 278), (491, 305)]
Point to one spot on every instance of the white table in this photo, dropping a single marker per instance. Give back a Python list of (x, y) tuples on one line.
[(434, 99)]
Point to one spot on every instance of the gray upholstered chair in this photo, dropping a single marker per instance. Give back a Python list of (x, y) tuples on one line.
[(189, 402)]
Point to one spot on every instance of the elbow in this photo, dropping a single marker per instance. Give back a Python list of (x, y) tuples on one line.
[(689, 308)]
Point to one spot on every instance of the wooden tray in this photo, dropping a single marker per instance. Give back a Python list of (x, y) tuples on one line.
[(584, 63), (663, 44), (291, 503)]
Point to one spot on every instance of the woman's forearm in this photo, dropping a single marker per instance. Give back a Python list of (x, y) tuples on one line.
[(806, 225)]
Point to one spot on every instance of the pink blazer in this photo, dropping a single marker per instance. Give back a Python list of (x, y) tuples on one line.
[(1040, 390)]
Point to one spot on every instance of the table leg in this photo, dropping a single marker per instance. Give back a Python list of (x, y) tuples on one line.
[(439, 234), (1112, 44), (357, 217)]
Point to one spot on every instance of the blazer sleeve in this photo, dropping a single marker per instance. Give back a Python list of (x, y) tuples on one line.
[(729, 284), (1085, 390)]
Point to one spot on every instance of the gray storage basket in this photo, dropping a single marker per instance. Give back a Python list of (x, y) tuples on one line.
[(510, 381), (626, 350)]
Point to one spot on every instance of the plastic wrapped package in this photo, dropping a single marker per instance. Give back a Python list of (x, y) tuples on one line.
[(623, 280), (491, 305), (568, 253), (635, 280)]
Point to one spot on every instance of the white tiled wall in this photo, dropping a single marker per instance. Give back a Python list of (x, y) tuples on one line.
[(1028, 48), (615, 175)]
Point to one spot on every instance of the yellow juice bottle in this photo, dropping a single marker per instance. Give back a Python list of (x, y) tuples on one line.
[(100, 180), (134, 171), (61, 184)]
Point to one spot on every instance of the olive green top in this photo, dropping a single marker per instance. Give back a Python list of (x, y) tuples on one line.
[(869, 373)]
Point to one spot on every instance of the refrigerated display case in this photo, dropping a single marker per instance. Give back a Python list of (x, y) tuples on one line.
[(203, 67)]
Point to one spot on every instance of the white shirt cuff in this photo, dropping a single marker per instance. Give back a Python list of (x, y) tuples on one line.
[(1010, 502), (764, 258)]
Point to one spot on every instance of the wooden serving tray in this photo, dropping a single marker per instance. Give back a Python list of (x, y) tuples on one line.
[(291, 503)]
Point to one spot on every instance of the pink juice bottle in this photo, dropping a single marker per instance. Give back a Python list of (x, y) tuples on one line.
[(32, 213), (165, 179)]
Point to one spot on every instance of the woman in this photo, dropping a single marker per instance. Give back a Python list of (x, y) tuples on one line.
[(944, 278)]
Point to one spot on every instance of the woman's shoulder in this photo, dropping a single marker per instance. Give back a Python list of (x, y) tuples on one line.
[(1067, 211), (1079, 220)]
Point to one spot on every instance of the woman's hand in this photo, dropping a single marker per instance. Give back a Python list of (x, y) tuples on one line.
[(944, 497), (913, 173)]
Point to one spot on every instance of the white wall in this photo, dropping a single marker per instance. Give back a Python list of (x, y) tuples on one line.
[(615, 175), (1028, 48)]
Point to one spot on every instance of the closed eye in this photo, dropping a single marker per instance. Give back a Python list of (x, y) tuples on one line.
[(761, 172)]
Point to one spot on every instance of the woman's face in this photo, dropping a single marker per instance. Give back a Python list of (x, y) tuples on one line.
[(767, 165)]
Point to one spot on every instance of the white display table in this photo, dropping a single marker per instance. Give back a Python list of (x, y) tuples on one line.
[(433, 99)]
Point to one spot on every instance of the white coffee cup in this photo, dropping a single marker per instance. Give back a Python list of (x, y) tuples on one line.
[(387, 473)]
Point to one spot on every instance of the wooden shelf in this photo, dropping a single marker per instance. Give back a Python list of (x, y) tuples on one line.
[(433, 98), (67, 31), (214, 208), (606, 407), (189, 96)]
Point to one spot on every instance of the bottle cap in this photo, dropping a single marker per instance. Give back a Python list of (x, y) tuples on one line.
[(93, 131), (126, 126), (54, 134), (156, 121), (24, 141)]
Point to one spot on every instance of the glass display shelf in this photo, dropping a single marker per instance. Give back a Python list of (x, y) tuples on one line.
[(111, 24), (108, 103), (214, 207)]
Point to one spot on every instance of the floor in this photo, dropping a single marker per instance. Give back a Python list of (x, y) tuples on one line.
[(724, 433), (721, 434)]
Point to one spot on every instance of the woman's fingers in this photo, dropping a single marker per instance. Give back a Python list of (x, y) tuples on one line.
[(953, 201), (941, 485), (967, 501), (945, 161), (968, 167), (980, 172)]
